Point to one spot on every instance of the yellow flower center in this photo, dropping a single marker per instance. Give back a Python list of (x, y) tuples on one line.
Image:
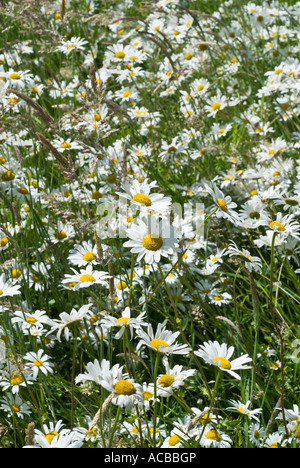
[(222, 204), (126, 93), (121, 285), (60, 235), (147, 395), (66, 144), (218, 297), (23, 190), (274, 445), (50, 436), (224, 363), (188, 55), (2, 160), (216, 106), (152, 243), (89, 256), (8, 176), (31, 320), (142, 198), (156, 343), (87, 279), (16, 379), (120, 54), (38, 363), (174, 440), (280, 226), (213, 434), (96, 195), (16, 408), (123, 321), (123, 387), (256, 434), (3, 242), (15, 76), (166, 380)]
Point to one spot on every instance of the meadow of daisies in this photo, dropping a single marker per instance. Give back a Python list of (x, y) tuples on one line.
[(149, 224)]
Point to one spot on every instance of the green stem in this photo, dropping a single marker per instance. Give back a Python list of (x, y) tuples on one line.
[(155, 395), (114, 426)]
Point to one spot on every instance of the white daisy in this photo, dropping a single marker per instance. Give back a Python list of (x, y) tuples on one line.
[(162, 341), (219, 355), (7, 289), (39, 362), (243, 408), (85, 278), (151, 241)]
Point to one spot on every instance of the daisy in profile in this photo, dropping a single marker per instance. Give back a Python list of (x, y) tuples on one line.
[(66, 145), (67, 320), (243, 408), (162, 341), (213, 438), (51, 430), (225, 206), (64, 440), (252, 263), (85, 278), (152, 240), (275, 440), (220, 355), (75, 43), (7, 289), (285, 224)]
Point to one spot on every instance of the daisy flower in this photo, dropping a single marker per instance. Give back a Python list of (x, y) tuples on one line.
[(66, 145), (275, 440), (27, 320), (7, 289), (51, 429), (139, 194), (83, 254), (13, 379), (126, 392), (125, 320), (64, 440), (172, 379), (39, 362), (66, 321), (215, 104), (251, 263), (213, 438), (15, 406), (220, 355), (225, 206), (256, 434), (162, 341), (75, 43), (18, 79), (243, 408), (151, 241), (85, 278)]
